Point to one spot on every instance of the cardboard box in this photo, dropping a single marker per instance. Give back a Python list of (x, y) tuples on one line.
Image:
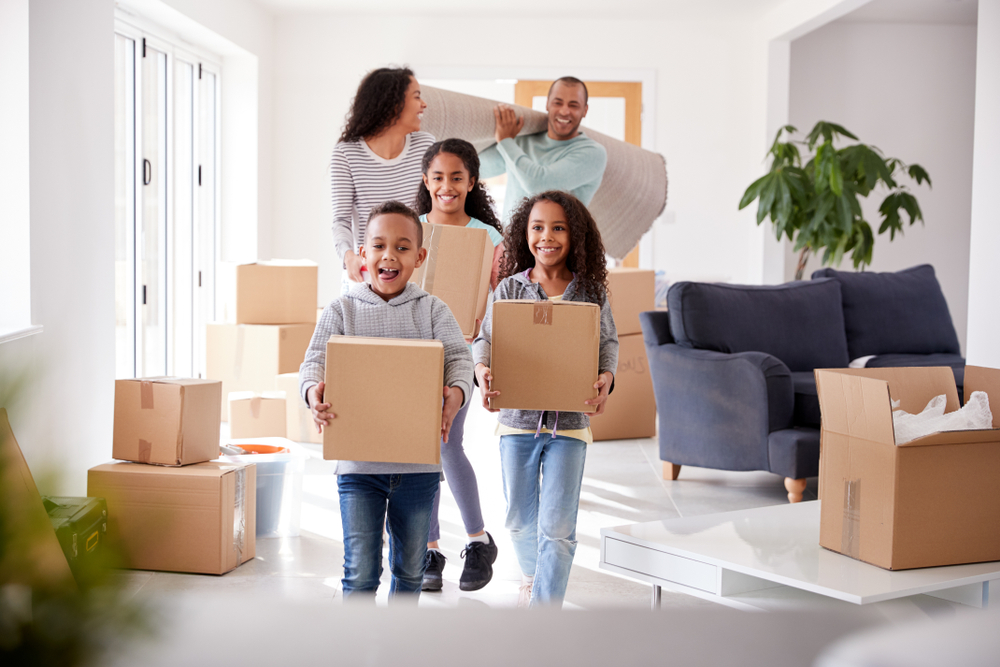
[(248, 357), (167, 421), (256, 415), (299, 424), (632, 291), (386, 393), (545, 354), (278, 291), (631, 409), (457, 271), (929, 502), (198, 518)]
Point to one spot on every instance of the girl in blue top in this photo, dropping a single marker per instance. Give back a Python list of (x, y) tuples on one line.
[(451, 194)]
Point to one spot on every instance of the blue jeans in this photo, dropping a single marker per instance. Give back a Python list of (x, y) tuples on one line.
[(400, 502), (541, 480)]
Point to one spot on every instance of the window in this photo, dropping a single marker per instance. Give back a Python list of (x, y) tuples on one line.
[(166, 203)]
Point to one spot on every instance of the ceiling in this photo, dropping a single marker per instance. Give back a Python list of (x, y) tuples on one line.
[(959, 12)]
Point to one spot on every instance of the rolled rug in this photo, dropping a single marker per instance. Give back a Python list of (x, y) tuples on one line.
[(631, 197)]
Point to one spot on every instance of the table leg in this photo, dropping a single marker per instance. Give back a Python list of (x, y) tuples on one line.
[(656, 597)]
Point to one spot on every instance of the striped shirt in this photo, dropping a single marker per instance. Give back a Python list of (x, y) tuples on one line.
[(360, 180)]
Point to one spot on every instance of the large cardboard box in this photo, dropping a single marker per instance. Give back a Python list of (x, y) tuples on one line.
[(167, 421), (198, 518), (256, 415), (299, 424), (632, 291), (457, 271), (386, 393), (631, 409), (247, 357), (279, 291), (545, 354), (932, 501)]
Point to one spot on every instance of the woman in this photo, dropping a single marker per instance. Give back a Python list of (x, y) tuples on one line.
[(377, 158)]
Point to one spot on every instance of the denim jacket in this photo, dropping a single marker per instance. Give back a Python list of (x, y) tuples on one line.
[(519, 286)]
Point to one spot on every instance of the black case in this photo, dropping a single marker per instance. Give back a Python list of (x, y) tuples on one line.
[(81, 524)]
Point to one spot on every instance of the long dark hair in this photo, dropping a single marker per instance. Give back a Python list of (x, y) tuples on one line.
[(586, 249), (478, 203), (380, 99)]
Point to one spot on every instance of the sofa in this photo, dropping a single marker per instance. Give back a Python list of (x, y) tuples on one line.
[(732, 365)]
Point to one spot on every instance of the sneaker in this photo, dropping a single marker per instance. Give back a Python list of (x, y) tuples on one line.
[(479, 558), (434, 566)]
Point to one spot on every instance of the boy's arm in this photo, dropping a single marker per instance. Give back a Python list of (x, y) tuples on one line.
[(491, 163), (583, 164), (457, 360), (313, 368)]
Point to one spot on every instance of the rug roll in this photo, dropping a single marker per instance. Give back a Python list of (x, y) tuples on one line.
[(631, 197)]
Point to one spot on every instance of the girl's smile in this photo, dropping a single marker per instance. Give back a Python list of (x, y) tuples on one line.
[(548, 234), (448, 183)]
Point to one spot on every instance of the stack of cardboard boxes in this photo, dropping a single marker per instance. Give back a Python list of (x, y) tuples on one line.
[(170, 506), (270, 317)]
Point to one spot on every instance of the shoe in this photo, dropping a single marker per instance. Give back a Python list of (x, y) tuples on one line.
[(524, 594), (479, 558), (434, 566)]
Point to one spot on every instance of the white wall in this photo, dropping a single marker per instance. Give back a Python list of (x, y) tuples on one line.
[(984, 269), (702, 127), (915, 101)]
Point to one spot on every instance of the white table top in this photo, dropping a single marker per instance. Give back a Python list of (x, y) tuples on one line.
[(781, 544)]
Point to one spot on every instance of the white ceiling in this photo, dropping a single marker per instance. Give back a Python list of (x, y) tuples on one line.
[(961, 12)]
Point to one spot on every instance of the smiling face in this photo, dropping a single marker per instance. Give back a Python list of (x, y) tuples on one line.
[(391, 252), (548, 234), (413, 108), (567, 107), (448, 182)]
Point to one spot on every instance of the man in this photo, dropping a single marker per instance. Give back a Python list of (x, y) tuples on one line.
[(562, 158)]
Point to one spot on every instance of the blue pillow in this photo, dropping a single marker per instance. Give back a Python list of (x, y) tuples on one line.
[(800, 323), (894, 313)]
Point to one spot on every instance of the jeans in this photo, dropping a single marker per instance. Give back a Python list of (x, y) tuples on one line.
[(461, 480), (400, 502), (541, 480)]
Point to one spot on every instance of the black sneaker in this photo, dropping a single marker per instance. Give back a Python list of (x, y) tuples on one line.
[(434, 566), (479, 558)]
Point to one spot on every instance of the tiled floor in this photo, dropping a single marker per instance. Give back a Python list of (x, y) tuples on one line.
[(622, 484)]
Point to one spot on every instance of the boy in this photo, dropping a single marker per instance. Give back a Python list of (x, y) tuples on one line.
[(397, 495)]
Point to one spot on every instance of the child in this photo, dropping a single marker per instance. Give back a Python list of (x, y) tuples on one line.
[(397, 495), (554, 251), (451, 194)]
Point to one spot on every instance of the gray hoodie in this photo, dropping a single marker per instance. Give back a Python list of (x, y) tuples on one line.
[(413, 313), (519, 286)]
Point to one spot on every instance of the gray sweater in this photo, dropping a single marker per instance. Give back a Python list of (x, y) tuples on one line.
[(519, 286), (412, 314)]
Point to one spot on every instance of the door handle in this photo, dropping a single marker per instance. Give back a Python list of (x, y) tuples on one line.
[(147, 172)]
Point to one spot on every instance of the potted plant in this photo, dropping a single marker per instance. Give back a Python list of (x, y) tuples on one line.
[(816, 206)]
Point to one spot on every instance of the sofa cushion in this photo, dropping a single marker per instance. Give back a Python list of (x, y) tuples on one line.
[(800, 323), (794, 452), (806, 411), (956, 362), (894, 313)]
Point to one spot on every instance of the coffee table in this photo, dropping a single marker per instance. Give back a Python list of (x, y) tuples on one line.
[(769, 558)]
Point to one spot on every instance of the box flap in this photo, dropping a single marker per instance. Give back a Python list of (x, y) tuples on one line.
[(955, 438), (979, 378), (855, 406), (205, 469), (372, 341)]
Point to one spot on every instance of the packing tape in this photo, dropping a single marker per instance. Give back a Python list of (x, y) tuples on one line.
[(430, 264), (238, 361), (240, 514), (146, 395), (255, 407), (850, 536), (543, 312), (145, 450)]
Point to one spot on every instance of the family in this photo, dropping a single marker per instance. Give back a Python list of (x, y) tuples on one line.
[(388, 177)]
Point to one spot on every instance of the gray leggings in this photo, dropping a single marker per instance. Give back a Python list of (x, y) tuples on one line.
[(461, 480)]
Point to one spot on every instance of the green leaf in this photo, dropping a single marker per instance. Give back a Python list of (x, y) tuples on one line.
[(918, 174), (753, 191), (836, 178), (767, 194)]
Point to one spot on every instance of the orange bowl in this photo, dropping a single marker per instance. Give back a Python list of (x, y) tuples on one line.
[(261, 449)]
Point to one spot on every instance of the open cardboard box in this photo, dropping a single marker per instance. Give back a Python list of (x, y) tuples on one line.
[(929, 502)]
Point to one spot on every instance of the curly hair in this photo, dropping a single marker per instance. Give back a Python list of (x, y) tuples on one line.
[(380, 99), (478, 203), (586, 251)]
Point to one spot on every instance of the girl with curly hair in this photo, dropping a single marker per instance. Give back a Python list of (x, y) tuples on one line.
[(451, 194), (553, 252), (377, 158)]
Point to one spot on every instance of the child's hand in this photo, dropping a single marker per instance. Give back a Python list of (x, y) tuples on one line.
[(485, 379), (603, 386), (320, 411), (353, 264), (453, 398)]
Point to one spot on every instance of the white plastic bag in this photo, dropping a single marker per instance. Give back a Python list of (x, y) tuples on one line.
[(974, 415)]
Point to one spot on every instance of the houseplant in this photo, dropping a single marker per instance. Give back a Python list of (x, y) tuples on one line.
[(816, 205)]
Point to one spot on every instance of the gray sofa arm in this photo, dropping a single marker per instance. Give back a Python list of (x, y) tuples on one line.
[(717, 409)]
